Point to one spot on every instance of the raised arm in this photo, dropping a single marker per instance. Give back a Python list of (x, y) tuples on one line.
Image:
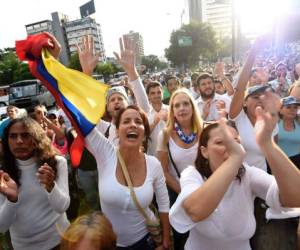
[(238, 97), (202, 202), (126, 59), (219, 73), (286, 173)]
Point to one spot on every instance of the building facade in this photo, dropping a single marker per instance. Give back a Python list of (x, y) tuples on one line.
[(195, 10), (219, 14), (138, 40), (68, 33), (77, 29)]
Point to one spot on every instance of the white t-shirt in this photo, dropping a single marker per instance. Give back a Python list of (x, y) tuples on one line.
[(183, 157), (152, 144), (232, 223), (36, 220), (254, 156), (116, 202), (213, 112)]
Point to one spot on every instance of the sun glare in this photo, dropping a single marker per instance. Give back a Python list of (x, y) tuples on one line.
[(258, 16)]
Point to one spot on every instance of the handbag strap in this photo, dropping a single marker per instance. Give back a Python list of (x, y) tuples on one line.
[(129, 183), (172, 161)]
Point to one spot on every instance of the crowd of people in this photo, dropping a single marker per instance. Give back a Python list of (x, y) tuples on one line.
[(214, 155)]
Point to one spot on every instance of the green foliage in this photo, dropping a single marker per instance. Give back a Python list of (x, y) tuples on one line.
[(11, 68), (152, 61), (105, 69), (74, 62), (204, 43)]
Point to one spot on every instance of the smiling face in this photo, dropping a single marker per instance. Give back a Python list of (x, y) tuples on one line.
[(115, 103), (215, 151), (182, 108), (20, 141), (131, 128)]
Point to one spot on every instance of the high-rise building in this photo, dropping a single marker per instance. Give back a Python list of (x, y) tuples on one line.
[(138, 40), (79, 28), (195, 10), (68, 33), (219, 14), (55, 27)]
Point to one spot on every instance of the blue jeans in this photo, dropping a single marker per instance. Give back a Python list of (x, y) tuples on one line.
[(145, 243)]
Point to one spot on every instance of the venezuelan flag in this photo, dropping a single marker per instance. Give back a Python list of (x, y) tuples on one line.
[(81, 97)]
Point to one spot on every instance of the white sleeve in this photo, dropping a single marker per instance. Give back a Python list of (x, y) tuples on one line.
[(59, 197), (190, 181), (100, 147), (102, 126), (8, 213), (160, 188), (265, 186), (140, 94)]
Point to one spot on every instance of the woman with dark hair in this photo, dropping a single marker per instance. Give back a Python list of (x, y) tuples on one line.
[(145, 172), (34, 192), (216, 202)]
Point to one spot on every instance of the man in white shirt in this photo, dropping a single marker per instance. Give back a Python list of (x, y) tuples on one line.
[(211, 106), (157, 115)]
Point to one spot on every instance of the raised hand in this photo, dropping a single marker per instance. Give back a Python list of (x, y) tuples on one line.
[(8, 187), (87, 57), (46, 177), (266, 117), (55, 46), (232, 145), (219, 69), (126, 58)]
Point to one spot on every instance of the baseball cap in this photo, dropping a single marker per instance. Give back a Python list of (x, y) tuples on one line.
[(289, 100), (118, 89), (257, 89)]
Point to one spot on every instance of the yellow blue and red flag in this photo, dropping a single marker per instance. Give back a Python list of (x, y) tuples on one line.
[(80, 96)]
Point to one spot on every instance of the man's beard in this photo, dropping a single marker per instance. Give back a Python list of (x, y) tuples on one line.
[(207, 96)]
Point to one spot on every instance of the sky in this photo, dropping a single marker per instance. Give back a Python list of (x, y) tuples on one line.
[(155, 19)]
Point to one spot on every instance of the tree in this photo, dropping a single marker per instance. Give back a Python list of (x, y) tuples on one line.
[(152, 62), (74, 62), (191, 41), (224, 46), (105, 69), (11, 68)]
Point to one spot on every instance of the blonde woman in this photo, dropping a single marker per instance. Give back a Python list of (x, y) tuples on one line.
[(178, 143)]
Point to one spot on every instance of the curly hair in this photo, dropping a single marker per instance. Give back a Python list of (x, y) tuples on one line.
[(43, 150)]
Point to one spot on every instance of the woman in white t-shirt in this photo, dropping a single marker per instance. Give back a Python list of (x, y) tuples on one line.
[(178, 144), (132, 129), (216, 199)]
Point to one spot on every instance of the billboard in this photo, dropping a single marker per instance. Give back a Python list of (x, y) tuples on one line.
[(87, 9), (185, 41)]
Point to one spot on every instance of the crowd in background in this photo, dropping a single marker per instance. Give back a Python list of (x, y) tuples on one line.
[(218, 147)]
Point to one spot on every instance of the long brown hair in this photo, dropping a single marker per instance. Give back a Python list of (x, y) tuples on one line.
[(201, 163), (43, 150)]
